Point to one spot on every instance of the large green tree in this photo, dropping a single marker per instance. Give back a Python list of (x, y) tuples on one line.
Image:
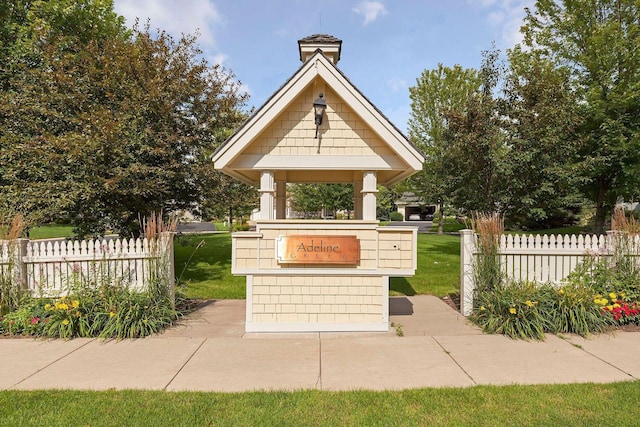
[(542, 120), (597, 42), (100, 126), (437, 93), (328, 198), (477, 154)]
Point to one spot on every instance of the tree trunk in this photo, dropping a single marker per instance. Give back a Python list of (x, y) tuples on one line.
[(601, 212), (440, 218), (230, 220)]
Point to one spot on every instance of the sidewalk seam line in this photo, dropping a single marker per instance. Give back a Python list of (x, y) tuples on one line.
[(579, 347), (184, 364), (49, 364), (448, 353)]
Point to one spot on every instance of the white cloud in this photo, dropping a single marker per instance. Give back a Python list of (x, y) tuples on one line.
[(218, 59), (396, 84), (506, 17), (371, 10), (174, 16)]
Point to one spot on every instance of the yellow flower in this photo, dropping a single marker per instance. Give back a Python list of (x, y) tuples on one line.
[(529, 303), (623, 294), (561, 291), (482, 308), (616, 305), (111, 314), (75, 303), (610, 307), (47, 306), (513, 310), (63, 306), (613, 296), (65, 322)]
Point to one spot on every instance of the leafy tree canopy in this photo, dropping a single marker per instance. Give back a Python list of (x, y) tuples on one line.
[(101, 124)]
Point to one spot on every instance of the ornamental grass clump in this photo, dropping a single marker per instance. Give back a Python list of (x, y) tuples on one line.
[(159, 233), (12, 290), (488, 272)]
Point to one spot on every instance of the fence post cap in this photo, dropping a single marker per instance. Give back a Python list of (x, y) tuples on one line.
[(466, 231)]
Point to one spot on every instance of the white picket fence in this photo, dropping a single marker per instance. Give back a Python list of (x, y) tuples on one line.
[(543, 259), (52, 268)]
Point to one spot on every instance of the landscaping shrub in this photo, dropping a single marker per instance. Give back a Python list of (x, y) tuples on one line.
[(572, 310), (517, 310), (396, 216)]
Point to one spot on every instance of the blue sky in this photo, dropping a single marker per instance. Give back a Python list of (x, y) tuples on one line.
[(386, 44)]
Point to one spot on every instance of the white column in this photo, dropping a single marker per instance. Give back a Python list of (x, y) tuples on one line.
[(267, 191), (357, 199), (467, 283), (369, 190), (281, 199)]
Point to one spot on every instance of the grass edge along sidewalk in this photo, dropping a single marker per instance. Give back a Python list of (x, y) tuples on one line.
[(539, 405)]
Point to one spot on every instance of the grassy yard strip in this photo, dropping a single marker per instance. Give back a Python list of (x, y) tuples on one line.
[(51, 232), (538, 405), (438, 270), (203, 264)]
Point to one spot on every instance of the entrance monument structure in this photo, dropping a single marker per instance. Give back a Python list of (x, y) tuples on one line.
[(319, 275)]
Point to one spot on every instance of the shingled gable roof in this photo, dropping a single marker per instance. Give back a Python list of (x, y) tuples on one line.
[(317, 65)]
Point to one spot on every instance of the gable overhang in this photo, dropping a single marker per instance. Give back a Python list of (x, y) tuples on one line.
[(318, 66)]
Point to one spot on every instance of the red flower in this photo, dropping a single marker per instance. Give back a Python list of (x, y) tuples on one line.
[(35, 320)]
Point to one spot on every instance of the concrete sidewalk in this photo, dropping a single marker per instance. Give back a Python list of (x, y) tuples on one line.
[(211, 352)]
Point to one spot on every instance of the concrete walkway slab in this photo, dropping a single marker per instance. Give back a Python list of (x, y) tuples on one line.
[(211, 352), (496, 359), (423, 315), (232, 365), (388, 364), (148, 363), (620, 350), (215, 318), (22, 358)]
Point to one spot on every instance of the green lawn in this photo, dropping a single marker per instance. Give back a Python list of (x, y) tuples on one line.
[(203, 264), (51, 231), (438, 270), (540, 405)]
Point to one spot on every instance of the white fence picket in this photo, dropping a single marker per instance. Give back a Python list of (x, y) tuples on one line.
[(543, 259), (52, 268)]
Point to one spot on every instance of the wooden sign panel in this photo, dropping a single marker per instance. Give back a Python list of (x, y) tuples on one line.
[(318, 250)]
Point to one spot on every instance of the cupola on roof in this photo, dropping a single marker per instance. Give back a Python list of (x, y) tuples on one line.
[(329, 45)]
